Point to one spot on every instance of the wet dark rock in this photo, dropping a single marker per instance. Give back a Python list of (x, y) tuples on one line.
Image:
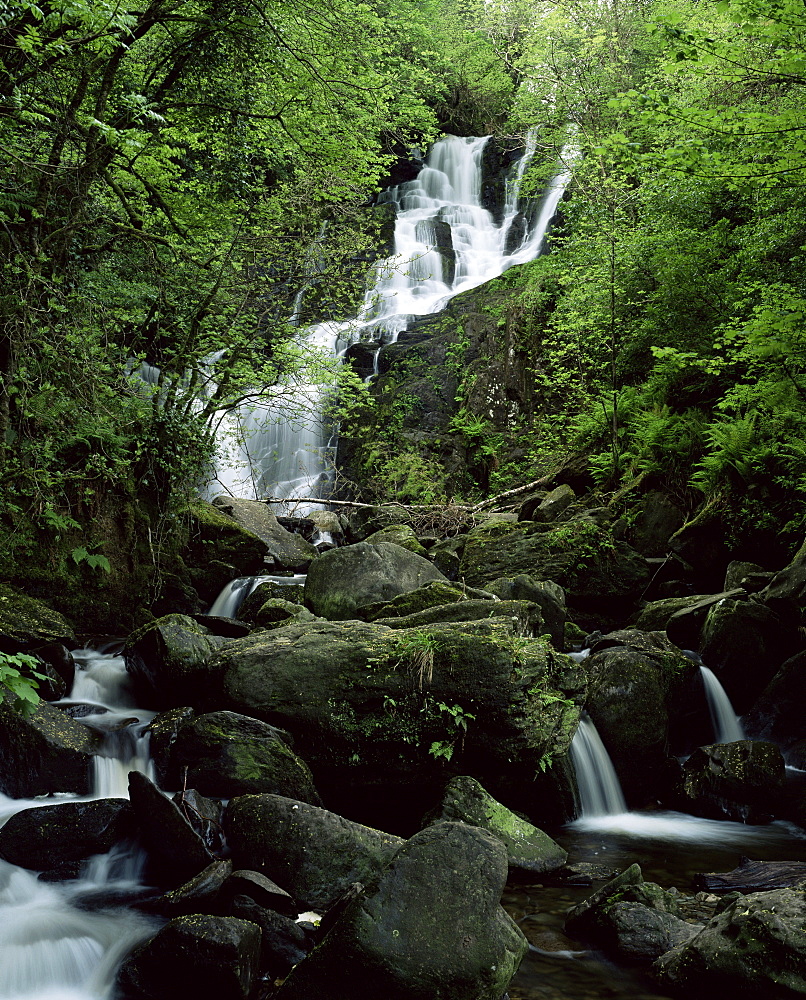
[(430, 925), (314, 854), (205, 815), (516, 233), (754, 948), (223, 754), (657, 520), (227, 628), (753, 876), (177, 851), (195, 955), (168, 659), (59, 657), (163, 731), (745, 643), (27, 623), (786, 593), (528, 848), (200, 894), (56, 835), (44, 751), (261, 890), (547, 595), (682, 618), (748, 575), (344, 580), (526, 616), (284, 943), (700, 544), (778, 713), (740, 781)]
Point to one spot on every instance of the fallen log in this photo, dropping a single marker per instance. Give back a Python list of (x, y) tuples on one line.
[(753, 876)]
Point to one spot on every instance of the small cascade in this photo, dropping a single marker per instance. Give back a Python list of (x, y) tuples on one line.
[(234, 593), (52, 947), (599, 789), (727, 728)]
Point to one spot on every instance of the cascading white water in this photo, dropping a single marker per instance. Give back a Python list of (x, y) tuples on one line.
[(445, 243), (233, 594), (598, 785), (51, 948), (727, 728)]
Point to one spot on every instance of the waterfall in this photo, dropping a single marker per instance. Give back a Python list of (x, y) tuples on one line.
[(445, 242), (599, 789), (727, 728), (51, 946), (234, 593)]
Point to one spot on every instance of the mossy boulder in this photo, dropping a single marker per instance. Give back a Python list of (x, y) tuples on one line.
[(195, 955), (754, 948), (224, 754), (168, 659), (276, 612), (43, 752), (216, 538), (272, 590), (431, 595), (430, 925), (312, 853), (388, 712), (741, 781), (524, 615), (549, 596), (26, 622), (343, 581), (284, 549), (530, 849), (634, 918), (580, 555), (399, 534)]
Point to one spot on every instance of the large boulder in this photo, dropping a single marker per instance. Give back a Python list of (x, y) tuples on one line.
[(744, 643), (754, 948), (44, 751), (52, 836), (219, 550), (530, 849), (778, 713), (431, 925), (384, 713), (285, 549), (398, 534), (786, 592), (168, 659), (525, 615), (741, 781), (343, 581), (435, 594), (314, 854), (194, 955), (633, 684), (548, 596), (225, 754)]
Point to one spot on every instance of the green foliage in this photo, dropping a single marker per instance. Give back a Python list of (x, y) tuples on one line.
[(20, 688)]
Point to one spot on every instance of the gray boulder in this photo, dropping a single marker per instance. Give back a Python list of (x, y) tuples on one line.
[(398, 534), (549, 597), (286, 549), (342, 581), (312, 853), (431, 925), (754, 948), (530, 849), (195, 955), (435, 594)]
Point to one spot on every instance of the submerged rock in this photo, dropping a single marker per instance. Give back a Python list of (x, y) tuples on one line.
[(527, 847), (430, 925)]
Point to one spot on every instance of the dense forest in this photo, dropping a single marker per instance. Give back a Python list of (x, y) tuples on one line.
[(168, 166)]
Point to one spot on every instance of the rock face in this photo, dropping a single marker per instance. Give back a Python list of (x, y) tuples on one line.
[(45, 751), (430, 925), (384, 713), (344, 580), (778, 714), (740, 781), (548, 596), (226, 754), (195, 955), (313, 854), (528, 848), (756, 947)]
